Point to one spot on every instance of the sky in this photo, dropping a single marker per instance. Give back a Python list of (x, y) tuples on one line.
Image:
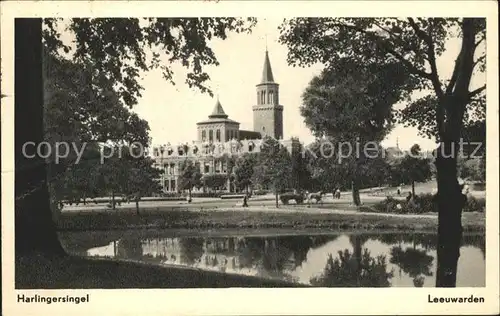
[(173, 111)]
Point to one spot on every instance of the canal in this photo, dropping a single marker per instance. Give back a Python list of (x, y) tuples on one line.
[(389, 259)]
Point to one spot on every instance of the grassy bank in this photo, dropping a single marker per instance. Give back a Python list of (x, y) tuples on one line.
[(71, 272), (257, 218)]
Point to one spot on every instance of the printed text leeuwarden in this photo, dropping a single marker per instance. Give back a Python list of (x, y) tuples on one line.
[(464, 299)]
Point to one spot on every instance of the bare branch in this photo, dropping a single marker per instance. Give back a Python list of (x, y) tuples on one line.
[(476, 92), (427, 38), (411, 67), (454, 76), (391, 33), (479, 42), (421, 34), (480, 59)]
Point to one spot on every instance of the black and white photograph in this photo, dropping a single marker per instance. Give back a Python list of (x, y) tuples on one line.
[(240, 150)]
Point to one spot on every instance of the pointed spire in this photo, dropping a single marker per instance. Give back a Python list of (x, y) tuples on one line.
[(267, 73), (218, 111)]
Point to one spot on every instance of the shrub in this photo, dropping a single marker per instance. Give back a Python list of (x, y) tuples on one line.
[(390, 205), (170, 194), (479, 186), (424, 203), (259, 192), (206, 194), (474, 205)]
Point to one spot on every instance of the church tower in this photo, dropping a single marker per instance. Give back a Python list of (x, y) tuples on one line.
[(268, 113)]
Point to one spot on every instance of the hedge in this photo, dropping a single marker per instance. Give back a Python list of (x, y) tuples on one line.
[(422, 204)]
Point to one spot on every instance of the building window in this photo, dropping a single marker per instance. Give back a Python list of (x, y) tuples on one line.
[(210, 135), (227, 136), (207, 168), (203, 135), (262, 97), (271, 97), (217, 135), (258, 98), (251, 146)]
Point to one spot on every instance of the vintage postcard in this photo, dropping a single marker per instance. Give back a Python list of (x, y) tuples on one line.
[(249, 157)]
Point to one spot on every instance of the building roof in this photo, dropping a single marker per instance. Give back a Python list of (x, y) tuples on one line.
[(217, 120), (244, 134), (218, 116), (218, 111), (267, 72)]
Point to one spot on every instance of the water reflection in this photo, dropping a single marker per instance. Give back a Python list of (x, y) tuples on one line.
[(343, 260), (356, 269)]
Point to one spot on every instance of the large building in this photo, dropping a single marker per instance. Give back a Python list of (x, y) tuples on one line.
[(219, 135)]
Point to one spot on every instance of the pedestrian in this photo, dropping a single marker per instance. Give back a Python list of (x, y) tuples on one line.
[(409, 197), (245, 198), (466, 189), (337, 193)]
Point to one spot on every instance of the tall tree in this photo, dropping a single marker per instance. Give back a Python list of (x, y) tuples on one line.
[(301, 171), (214, 181), (351, 104), (275, 165), (414, 168), (243, 172), (80, 114), (115, 47), (142, 180), (326, 171), (189, 177), (414, 45)]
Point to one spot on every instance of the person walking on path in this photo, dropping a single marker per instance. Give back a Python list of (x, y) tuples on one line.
[(337, 193), (245, 198)]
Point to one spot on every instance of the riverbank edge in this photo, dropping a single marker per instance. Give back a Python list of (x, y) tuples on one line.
[(75, 272), (258, 218)]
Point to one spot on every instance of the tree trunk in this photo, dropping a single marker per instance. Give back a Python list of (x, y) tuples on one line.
[(450, 199), (277, 205), (355, 193), (355, 185), (113, 204), (450, 202), (413, 189), (137, 206), (357, 252), (35, 231)]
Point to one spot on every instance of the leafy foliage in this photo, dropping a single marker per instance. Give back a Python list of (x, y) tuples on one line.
[(275, 164), (214, 181), (116, 47), (141, 179), (301, 171), (351, 101), (243, 171), (345, 271), (413, 167), (413, 44), (190, 176), (412, 261)]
